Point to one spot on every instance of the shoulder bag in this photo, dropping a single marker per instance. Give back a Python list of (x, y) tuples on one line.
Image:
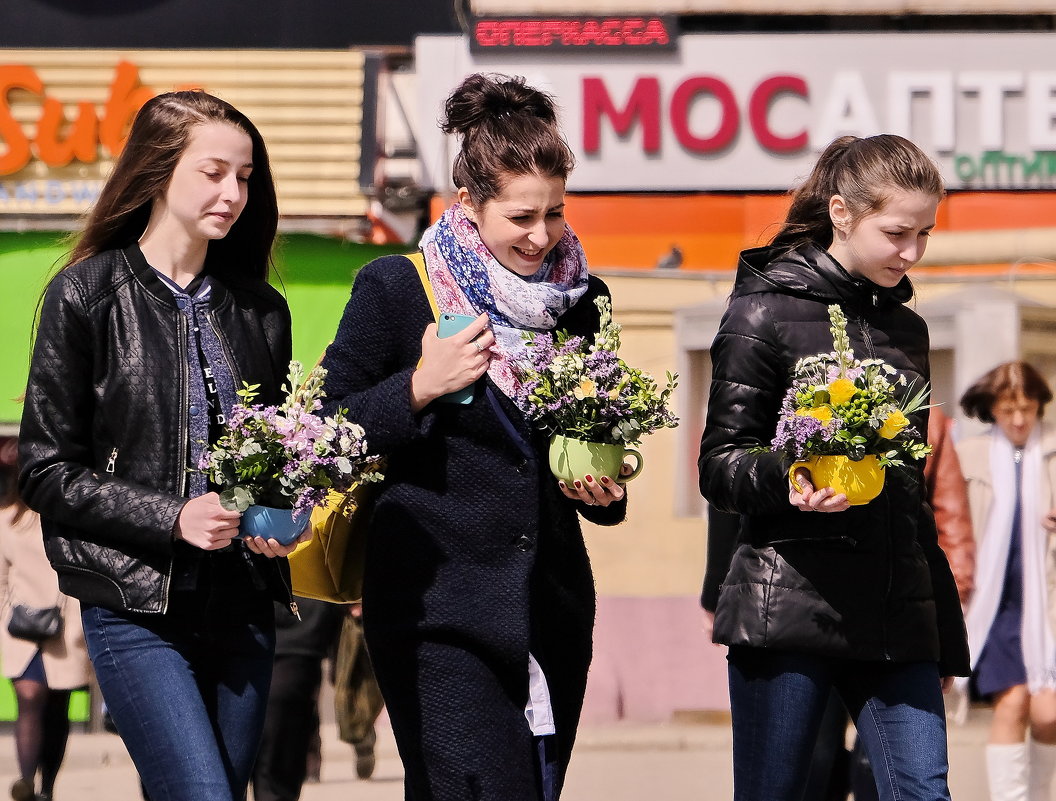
[(34, 624)]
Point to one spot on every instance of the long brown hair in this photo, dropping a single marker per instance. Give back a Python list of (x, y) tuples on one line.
[(862, 172), (508, 129), (159, 135)]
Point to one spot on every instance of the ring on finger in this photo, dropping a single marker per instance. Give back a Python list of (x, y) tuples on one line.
[(480, 348)]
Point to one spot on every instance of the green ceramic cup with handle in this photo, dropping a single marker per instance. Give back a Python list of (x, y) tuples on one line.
[(573, 459)]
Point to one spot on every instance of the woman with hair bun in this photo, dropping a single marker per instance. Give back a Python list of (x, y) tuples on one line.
[(1011, 475), (478, 602), (820, 595)]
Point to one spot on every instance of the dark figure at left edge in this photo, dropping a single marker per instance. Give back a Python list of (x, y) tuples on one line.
[(160, 312)]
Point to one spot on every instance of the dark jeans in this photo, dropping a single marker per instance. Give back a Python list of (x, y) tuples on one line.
[(777, 700), (187, 691), (546, 761)]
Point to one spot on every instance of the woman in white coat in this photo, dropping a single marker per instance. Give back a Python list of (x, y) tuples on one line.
[(43, 675), (1011, 475)]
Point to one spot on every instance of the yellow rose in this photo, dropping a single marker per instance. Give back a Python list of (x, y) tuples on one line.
[(822, 413), (893, 423), (841, 390), (586, 389)]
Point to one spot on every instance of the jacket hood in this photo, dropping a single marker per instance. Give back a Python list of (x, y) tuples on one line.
[(809, 271)]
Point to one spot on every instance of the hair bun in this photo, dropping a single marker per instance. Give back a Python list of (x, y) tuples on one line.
[(482, 99)]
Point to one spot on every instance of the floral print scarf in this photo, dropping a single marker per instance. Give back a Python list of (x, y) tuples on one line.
[(467, 279)]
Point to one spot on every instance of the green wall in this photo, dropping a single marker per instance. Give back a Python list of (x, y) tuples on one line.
[(79, 712), (314, 272)]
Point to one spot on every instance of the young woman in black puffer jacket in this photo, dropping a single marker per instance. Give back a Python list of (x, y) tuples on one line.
[(821, 594)]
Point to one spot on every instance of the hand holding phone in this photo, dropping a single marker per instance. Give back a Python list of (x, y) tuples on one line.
[(447, 326), (454, 362)]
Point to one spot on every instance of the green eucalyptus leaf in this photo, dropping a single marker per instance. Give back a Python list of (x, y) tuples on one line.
[(236, 499)]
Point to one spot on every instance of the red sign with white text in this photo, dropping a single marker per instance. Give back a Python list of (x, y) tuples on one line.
[(574, 33)]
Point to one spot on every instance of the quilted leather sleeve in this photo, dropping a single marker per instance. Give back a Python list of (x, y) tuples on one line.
[(62, 477), (748, 382)]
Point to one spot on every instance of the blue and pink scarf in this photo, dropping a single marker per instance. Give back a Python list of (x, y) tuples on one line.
[(467, 279)]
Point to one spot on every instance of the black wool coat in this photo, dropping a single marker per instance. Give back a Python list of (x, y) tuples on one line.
[(869, 583), (474, 556)]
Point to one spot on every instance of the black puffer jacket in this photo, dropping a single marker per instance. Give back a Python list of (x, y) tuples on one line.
[(868, 583), (104, 439)]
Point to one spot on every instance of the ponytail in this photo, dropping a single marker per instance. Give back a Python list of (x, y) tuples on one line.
[(862, 172)]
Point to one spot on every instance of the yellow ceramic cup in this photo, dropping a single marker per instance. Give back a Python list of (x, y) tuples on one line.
[(572, 459), (860, 481)]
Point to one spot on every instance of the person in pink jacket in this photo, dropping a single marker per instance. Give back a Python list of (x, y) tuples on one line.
[(1011, 477), (43, 674)]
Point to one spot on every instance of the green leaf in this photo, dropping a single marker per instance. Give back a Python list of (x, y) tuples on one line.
[(236, 499)]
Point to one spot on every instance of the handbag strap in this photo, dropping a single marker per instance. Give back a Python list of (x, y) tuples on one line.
[(418, 260)]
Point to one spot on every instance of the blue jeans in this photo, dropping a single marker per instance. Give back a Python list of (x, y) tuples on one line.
[(546, 762), (187, 691), (777, 700)]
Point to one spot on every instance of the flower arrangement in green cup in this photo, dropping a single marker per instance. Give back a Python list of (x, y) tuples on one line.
[(839, 405), (582, 389)]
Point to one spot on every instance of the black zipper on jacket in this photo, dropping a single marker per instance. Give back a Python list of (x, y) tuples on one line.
[(864, 328), (888, 543), (185, 432), (185, 428)]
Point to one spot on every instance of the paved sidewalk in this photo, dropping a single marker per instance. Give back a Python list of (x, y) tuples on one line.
[(663, 762)]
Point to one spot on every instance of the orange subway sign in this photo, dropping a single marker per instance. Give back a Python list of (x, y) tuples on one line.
[(56, 140)]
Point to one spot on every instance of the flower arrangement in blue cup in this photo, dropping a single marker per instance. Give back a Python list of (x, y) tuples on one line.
[(580, 389), (286, 458)]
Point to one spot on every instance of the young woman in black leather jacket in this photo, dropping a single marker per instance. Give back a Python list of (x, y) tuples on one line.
[(820, 594), (159, 315)]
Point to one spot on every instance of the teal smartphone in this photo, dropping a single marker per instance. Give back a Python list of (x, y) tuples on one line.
[(448, 325)]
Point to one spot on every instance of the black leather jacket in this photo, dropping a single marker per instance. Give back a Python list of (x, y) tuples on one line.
[(104, 436), (868, 583)]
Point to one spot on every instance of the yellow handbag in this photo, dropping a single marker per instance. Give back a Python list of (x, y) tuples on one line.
[(329, 567)]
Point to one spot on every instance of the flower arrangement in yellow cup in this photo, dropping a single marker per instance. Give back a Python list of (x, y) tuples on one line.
[(847, 419)]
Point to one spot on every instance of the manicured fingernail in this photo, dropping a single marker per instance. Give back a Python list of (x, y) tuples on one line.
[(579, 484), (606, 480), (562, 485), (589, 478)]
